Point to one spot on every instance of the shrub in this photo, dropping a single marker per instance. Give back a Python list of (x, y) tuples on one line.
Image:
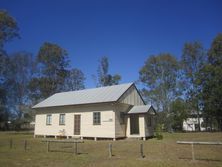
[(159, 135)]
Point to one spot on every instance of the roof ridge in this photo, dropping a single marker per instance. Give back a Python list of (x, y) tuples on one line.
[(102, 87)]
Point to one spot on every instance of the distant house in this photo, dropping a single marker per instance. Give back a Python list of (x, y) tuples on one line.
[(192, 123), (106, 112), (28, 125)]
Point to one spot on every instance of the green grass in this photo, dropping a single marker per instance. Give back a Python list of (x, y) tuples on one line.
[(158, 153)]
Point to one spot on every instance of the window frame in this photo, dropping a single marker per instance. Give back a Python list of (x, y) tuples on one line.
[(62, 118), (49, 119), (96, 118)]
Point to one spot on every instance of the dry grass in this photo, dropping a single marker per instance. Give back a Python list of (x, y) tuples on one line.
[(162, 153)]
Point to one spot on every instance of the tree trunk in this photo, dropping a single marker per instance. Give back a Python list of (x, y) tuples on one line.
[(207, 123), (198, 118), (219, 122)]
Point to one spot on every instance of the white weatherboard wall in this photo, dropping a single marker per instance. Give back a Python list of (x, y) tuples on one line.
[(87, 129), (189, 124)]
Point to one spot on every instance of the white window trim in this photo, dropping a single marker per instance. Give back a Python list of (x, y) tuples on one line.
[(62, 119), (99, 120), (49, 119)]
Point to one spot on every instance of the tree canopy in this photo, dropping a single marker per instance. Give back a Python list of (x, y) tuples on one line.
[(159, 75), (52, 73), (104, 78), (193, 60), (210, 79), (8, 28)]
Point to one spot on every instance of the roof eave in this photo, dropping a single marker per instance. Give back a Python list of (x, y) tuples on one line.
[(73, 105)]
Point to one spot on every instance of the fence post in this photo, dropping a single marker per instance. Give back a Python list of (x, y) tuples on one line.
[(25, 145), (141, 150), (10, 143), (76, 148), (73, 147), (192, 150), (110, 150), (48, 146)]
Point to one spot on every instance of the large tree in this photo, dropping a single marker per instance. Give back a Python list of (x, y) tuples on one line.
[(8, 31), (210, 80), (160, 77), (104, 78), (193, 60), (20, 69), (52, 63)]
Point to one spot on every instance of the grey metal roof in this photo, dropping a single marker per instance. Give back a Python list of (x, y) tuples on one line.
[(140, 109), (87, 96)]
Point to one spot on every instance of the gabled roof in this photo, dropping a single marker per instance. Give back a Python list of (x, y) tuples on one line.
[(87, 96), (141, 109)]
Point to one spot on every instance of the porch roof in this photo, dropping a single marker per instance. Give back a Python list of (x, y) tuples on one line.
[(141, 109)]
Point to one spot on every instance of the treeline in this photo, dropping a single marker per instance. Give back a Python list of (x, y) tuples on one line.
[(176, 86), (185, 86), (26, 79)]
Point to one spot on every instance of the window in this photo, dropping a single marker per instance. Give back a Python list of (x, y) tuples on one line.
[(149, 120), (49, 119), (96, 118), (62, 119)]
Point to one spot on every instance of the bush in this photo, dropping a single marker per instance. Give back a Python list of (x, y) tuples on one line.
[(159, 135)]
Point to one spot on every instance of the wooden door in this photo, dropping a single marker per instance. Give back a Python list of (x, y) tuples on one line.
[(134, 124), (77, 123)]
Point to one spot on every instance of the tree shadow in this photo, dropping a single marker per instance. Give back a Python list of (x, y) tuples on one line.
[(201, 159), (68, 151)]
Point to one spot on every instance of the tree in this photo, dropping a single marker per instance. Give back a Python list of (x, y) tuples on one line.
[(3, 111), (115, 79), (159, 75), (104, 78), (74, 80), (193, 60), (180, 111), (210, 79), (8, 31), (52, 63), (215, 52), (8, 28), (3, 93), (19, 73)]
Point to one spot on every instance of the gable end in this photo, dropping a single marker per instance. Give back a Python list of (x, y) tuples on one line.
[(131, 96)]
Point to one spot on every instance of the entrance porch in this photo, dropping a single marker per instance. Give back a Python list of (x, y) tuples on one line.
[(140, 122)]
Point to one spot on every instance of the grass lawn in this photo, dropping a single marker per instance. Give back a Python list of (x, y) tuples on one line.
[(126, 152)]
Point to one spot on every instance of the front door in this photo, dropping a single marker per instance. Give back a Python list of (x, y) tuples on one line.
[(134, 124), (77, 123)]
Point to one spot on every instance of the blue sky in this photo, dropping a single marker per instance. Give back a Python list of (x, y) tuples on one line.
[(126, 31)]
